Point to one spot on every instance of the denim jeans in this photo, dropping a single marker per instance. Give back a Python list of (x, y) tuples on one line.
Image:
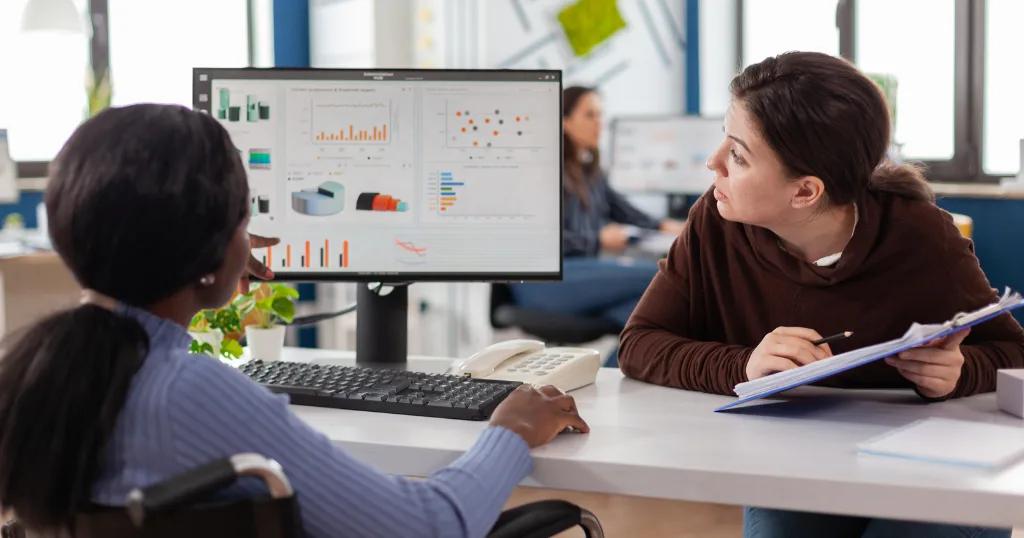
[(768, 523)]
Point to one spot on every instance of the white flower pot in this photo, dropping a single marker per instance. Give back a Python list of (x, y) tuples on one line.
[(213, 337), (265, 344)]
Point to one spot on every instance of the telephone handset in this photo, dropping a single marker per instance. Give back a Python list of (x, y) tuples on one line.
[(528, 361)]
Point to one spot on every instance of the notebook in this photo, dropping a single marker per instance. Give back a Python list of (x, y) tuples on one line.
[(953, 442), (915, 336)]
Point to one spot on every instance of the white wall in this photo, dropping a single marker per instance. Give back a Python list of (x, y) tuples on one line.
[(717, 54)]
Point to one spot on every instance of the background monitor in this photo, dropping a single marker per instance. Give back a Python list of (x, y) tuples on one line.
[(663, 154), (393, 175), (398, 175)]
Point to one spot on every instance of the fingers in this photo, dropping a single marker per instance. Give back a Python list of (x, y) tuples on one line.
[(576, 421), (567, 406), (931, 356), (929, 386), (771, 365), (807, 335), (258, 241), (924, 369), (954, 340), (258, 270), (800, 332), (797, 349), (550, 391)]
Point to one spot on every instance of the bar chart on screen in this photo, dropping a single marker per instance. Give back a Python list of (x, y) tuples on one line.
[(351, 121), (310, 254), (484, 194)]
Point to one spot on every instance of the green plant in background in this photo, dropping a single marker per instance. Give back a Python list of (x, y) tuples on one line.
[(889, 86), (228, 321), (99, 92), (264, 306), (267, 305)]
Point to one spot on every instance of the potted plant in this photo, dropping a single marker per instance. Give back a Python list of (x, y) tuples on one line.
[(265, 311), (209, 328)]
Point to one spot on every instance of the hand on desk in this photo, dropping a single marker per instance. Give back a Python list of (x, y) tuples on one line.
[(672, 226), (934, 368), (538, 415), (785, 348), (253, 266), (614, 237)]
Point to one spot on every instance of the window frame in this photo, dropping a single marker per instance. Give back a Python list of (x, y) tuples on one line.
[(969, 91), (99, 64)]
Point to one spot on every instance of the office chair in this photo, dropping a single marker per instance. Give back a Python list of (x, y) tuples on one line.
[(174, 508), (552, 327)]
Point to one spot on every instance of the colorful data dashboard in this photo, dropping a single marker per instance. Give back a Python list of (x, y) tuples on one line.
[(403, 174)]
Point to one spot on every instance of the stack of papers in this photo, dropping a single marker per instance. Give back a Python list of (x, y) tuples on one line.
[(954, 442), (915, 336)]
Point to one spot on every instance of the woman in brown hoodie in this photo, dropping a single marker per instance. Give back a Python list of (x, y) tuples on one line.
[(809, 231)]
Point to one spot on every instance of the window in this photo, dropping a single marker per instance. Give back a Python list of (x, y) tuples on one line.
[(912, 41), (43, 95), (772, 27), (955, 63), (154, 44), (1003, 126)]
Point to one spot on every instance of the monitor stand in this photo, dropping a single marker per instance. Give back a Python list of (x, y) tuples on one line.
[(382, 325), (678, 206)]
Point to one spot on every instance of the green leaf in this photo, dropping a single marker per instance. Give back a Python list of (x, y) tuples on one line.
[(199, 323), (285, 291), (197, 347), (231, 348), (284, 308), (227, 320)]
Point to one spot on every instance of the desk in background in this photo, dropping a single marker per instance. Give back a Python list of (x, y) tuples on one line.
[(658, 442), (33, 286)]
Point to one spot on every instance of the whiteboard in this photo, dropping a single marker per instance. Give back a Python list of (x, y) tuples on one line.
[(663, 153)]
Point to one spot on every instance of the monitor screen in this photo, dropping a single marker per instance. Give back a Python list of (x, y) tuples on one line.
[(397, 175), (663, 153)]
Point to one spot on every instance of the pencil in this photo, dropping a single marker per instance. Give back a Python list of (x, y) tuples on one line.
[(833, 338)]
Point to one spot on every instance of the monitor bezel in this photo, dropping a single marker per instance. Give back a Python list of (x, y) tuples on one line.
[(201, 85)]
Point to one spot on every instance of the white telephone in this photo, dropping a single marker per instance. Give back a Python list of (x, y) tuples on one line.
[(528, 361)]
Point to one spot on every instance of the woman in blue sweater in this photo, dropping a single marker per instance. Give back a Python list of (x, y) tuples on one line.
[(147, 207)]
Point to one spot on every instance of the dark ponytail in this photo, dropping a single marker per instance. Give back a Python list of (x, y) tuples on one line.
[(824, 118), (142, 201), (906, 180), (62, 384)]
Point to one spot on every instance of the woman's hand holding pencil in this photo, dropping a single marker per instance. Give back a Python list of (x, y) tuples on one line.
[(786, 348)]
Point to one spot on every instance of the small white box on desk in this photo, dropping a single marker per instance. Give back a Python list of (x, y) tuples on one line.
[(1010, 391)]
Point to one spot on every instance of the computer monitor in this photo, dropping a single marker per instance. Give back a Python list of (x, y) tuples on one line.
[(393, 175), (663, 154)]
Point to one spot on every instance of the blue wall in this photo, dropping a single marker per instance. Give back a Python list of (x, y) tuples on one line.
[(998, 238), (25, 206), (291, 33), (291, 49)]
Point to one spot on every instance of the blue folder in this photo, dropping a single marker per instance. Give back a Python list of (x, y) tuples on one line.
[(1009, 301)]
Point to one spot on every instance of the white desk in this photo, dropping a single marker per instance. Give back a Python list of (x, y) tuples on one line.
[(659, 442)]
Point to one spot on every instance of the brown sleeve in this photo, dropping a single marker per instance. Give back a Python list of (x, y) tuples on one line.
[(992, 345), (661, 344)]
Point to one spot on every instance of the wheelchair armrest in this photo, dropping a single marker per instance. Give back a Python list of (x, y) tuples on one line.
[(194, 484), (545, 518)]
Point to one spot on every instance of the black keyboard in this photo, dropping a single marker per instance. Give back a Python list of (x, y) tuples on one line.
[(382, 391)]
